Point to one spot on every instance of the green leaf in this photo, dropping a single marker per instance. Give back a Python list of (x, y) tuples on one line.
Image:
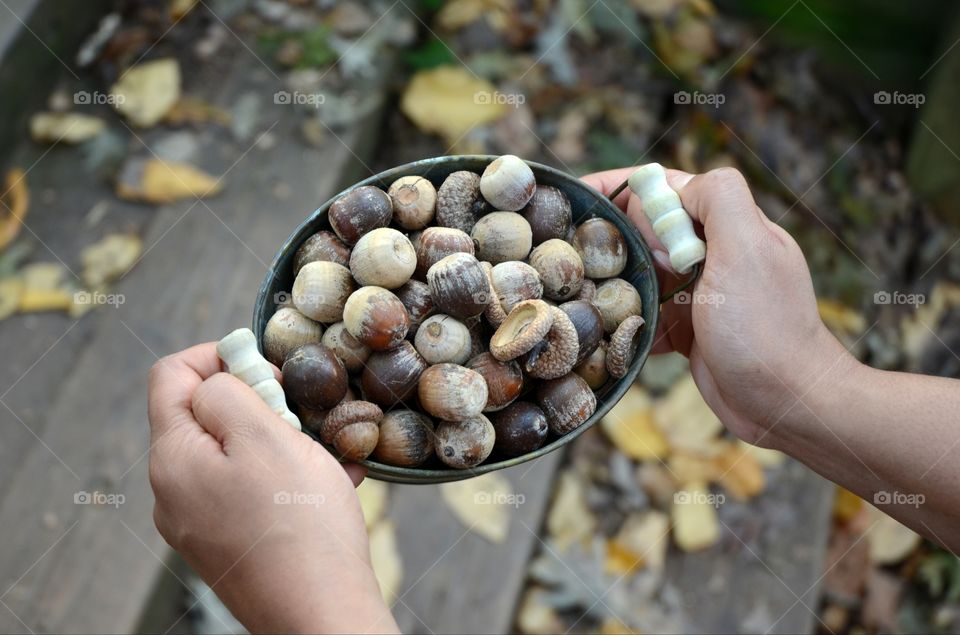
[(430, 54)]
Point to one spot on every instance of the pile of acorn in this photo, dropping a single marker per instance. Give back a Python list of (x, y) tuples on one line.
[(471, 318)]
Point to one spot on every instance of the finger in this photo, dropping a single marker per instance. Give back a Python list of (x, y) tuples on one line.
[(356, 472), (230, 410), (171, 384), (721, 201)]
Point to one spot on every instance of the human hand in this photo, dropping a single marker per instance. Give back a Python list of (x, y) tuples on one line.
[(266, 516), (750, 327)]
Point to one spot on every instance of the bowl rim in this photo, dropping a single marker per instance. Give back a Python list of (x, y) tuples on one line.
[(612, 393)]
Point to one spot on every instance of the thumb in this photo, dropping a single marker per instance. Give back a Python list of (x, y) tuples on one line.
[(721, 201), (229, 410)]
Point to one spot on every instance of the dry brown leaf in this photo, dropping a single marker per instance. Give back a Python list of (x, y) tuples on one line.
[(685, 417), (657, 482), (68, 127), (691, 468), (159, 182), (916, 329), (641, 542), (740, 473), (459, 13), (450, 101), (14, 203), (657, 8), (387, 565), (145, 92), (630, 426), (841, 319), (846, 505), (482, 504), (110, 258), (373, 500), (569, 519), (694, 517), (11, 289), (613, 626), (191, 110), (890, 542)]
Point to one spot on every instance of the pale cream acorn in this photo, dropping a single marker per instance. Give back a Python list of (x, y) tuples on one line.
[(238, 350), (670, 222)]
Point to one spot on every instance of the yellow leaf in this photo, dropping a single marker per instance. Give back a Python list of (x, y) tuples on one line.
[(846, 505), (373, 500), (11, 289), (694, 516), (43, 276), (459, 13), (641, 541), (686, 418), (68, 127), (630, 427), (14, 203), (387, 565), (890, 542), (569, 519), (482, 504), (740, 473), (613, 626), (764, 456), (33, 300), (841, 319), (159, 182), (189, 110), (180, 8), (108, 259), (145, 92), (536, 616), (450, 101), (686, 467)]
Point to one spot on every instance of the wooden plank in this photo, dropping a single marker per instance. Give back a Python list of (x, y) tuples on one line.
[(764, 576), (85, 568), (454, 580)]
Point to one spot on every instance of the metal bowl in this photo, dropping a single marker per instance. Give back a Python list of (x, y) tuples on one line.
[(585, 201)]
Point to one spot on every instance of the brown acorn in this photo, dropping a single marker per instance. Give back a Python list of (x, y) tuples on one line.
[(390, 377), (566, 401), (560, 269), (287, 330), (459, 286), (314, 377), (588, 322), (418, 302), (504, 380), (376, 318), (459, 202), (323, 245), (602, 248), (548, 213), (436, 243), (359, 211), (352, 428), (406, 439), (464, 444), (451, 392), (414, 201), (520, 428)]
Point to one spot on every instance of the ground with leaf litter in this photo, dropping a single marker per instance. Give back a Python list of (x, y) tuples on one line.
[(658, 494)]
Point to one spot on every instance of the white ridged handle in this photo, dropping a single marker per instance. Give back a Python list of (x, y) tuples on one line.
[(238, 350), (670, 222)]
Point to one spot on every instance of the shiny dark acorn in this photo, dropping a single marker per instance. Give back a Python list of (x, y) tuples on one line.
[(314, 377), (520, 428)]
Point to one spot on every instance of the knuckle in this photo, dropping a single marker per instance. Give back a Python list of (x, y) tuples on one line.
[(726, 177)]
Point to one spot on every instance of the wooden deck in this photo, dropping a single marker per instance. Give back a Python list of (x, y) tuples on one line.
[(73, 414)]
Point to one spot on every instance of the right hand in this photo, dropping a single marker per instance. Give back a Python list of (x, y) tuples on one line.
[(751, 328)]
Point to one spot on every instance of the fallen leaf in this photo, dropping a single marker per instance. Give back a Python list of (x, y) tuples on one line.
[(641, 541), (846, 505), (43, 276), (535, 616), (387, 565), (685, 417), (110, 258), (450, 101), (180, 8), (570, 519), (657, 482), (14, 203), (146, 92), (159, 182), (890, 542), (482, 504), (881, 602), (630, 426), (740, 473), (841, 319), (11, 289), (694, 517), (373, 500), (69, 127), (33, 300), (847, 565), (459, 13), (687, 467), (613, 626), (192, 110)]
